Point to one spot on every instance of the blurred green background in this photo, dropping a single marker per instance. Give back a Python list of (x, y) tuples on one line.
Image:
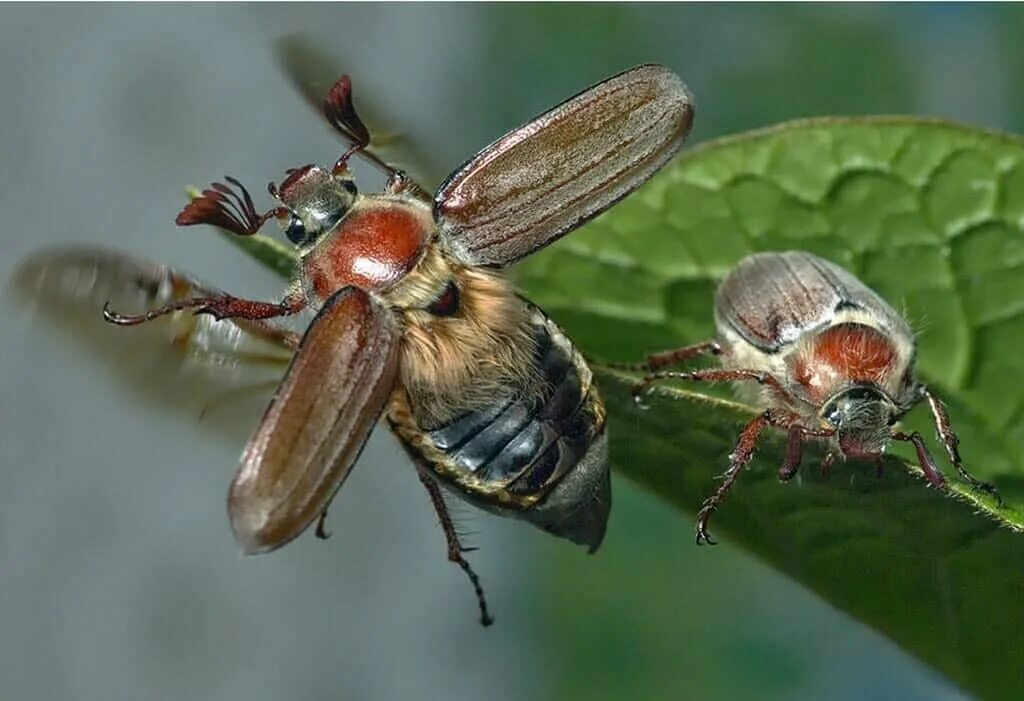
[(117, 574)]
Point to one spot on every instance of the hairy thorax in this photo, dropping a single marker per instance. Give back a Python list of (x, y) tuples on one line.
[(482, 352), (852, 351)]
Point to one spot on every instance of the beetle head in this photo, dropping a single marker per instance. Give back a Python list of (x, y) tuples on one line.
[(862, 417), (317, 200)]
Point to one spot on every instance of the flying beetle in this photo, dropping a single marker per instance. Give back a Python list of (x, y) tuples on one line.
[(415, 320)]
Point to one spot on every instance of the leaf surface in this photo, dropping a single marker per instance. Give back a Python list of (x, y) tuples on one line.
[(931, 215)]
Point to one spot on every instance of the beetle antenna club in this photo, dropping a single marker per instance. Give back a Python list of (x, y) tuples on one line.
[(824, 357), (221, 206), (340, 111)]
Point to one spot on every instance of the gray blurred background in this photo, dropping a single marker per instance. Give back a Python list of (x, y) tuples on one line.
[(119, 578)]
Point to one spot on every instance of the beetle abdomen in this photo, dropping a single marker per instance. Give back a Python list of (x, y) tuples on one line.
[(540, 457)]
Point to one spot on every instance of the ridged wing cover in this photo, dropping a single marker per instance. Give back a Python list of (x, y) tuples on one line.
[(770, 299), (317, 423), (542, 180)]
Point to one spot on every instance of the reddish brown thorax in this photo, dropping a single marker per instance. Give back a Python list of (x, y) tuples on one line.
[(374, 246), (841, 355)]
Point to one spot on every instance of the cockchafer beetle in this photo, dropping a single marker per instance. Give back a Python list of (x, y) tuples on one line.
[(823, 356), (414, 318)]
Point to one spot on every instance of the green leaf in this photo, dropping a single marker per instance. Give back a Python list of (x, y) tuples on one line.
[(929, 214)]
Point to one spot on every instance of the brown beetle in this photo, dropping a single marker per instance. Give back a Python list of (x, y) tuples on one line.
[(413, 318), (822, 355)]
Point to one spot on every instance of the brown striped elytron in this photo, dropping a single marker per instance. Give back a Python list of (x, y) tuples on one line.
[(415, 319)]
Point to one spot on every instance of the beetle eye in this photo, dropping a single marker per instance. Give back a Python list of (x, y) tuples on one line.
[(295, 232)]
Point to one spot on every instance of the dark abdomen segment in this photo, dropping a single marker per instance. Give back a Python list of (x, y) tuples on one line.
[(541, 457)]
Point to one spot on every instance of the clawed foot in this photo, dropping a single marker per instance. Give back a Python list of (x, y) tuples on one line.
[(702, 527), (985, 487), (218, 307), (321, 527)]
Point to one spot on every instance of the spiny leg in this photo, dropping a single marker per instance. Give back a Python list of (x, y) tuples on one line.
[(924, 458), (455, 549), (794, 452), (794, 446), (738, 459), (748, 437), (220, 307), (670, 357), (951, 442), (643, 386)]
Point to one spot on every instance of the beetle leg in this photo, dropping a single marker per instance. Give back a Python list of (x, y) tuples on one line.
[(794, 451), (826, 463), (951, 442), (794, 447), (670, 357), (455, 548), (738, 459), (220, 307), (321, 526), (924, 458), (711, 375)]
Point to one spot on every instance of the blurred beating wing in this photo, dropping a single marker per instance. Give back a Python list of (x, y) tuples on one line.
[(72, 283), (546, 178), (218, 373), (313, 72), (316, 425)]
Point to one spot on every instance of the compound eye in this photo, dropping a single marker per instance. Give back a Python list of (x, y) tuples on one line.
[(295, 232)]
